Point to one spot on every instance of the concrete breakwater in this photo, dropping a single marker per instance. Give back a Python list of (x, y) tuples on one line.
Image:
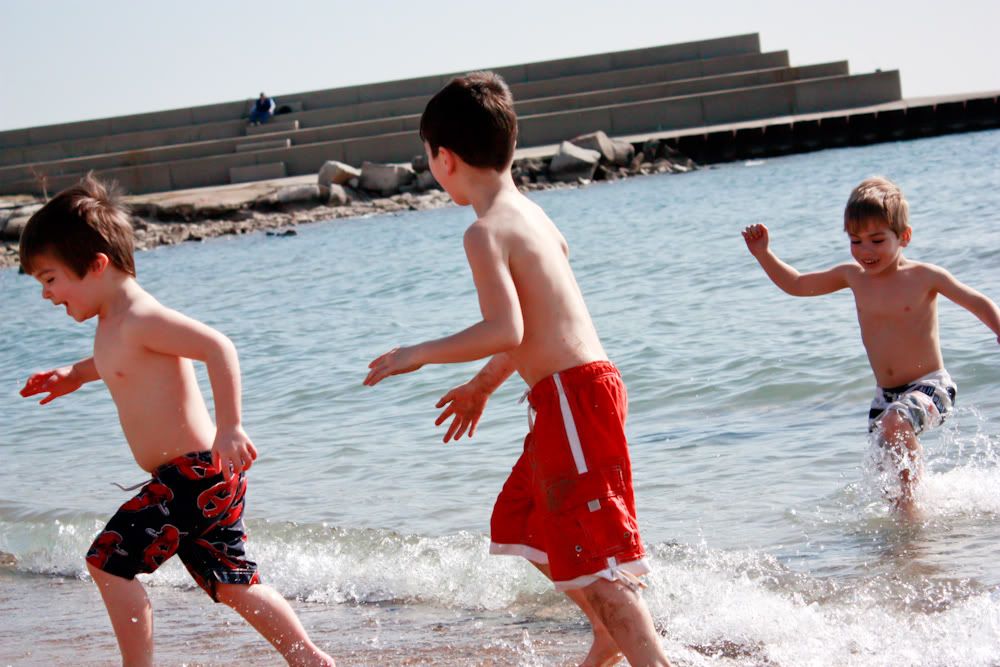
[(200, 214), (639, 91)]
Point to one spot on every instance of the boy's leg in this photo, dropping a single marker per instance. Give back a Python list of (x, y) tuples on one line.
[(898, 438), (272, 616), (131, 616), (626, 617), (603, 651)]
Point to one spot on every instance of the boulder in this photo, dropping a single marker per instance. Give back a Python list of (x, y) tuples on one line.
[(14, 226), (295, 194), (386, 179), (426, 181), (596, 141), (337, 173), (420, 163), (334, 195), (572, 162), (624, 152)]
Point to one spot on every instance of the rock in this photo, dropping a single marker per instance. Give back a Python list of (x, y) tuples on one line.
[(337, 173), (651, 148), (295, 194), (420, 164), (573, 162), (596, 141), (385, 179), (334, 195), (354, 183), (285, 232), (624, 152), (14, 226), (426, 181)]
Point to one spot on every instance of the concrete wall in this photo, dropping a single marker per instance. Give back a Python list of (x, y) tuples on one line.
[(622, 119), (382, 91), (659, 91), (386, 108)]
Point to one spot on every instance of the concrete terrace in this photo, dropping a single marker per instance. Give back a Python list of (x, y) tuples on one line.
[(637, 93)]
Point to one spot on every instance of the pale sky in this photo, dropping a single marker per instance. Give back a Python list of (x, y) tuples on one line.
[(62, 61)]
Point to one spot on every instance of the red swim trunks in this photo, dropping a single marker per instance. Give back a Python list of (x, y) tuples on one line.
[(568, 501)]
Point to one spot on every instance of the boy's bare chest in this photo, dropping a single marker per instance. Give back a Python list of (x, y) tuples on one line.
[(893, 300), (117, 361)]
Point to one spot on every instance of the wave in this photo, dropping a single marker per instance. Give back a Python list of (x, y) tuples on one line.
[(715, 607)]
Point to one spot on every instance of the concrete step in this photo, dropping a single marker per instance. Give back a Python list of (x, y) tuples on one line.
[(263, 145), (776, 100), (272, 127), (603, 62), (411, 122), (257, 172)]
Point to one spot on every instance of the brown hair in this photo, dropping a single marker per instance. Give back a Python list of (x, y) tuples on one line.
[(877, 198), (474, 117), (77, 224)]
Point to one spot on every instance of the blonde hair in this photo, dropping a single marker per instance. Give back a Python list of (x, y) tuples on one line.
[(877, 198)]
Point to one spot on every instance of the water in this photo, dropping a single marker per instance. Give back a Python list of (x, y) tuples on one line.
[(748, 415)]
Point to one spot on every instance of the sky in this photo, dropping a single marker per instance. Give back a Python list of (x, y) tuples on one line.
[(62, 61)]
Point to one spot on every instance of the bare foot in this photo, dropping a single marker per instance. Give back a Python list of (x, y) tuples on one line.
[(908, 509), (603, 652)]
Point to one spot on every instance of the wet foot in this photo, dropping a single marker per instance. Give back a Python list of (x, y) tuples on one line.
[(603, 652)]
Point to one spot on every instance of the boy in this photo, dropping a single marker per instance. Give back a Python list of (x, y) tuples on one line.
[(568, 505), (79, 247), (896, 299)]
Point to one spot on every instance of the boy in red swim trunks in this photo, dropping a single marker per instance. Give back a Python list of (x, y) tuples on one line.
[(568, 505), (79, 247)]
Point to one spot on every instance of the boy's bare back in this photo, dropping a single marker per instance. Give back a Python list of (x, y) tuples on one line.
[(558, 331)]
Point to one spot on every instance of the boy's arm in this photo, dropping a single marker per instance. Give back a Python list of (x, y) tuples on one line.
[(61, 381), (168, 332), (467, 402), (786, 277), (500, 329), (975, 302)]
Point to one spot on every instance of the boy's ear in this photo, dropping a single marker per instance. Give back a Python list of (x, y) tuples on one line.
[(449, 159), (904, 240), (99, 263)]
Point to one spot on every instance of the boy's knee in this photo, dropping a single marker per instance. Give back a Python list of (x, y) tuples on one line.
[(895, 426)]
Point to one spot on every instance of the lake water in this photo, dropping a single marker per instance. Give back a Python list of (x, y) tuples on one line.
[(770, 541)]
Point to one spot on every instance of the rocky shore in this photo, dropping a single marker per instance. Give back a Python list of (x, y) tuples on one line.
[(342, 191)]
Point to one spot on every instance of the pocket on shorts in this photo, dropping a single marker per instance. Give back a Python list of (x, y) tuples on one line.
[(591, 514)]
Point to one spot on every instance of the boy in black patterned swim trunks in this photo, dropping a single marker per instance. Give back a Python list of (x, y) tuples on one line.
[(79, 247), (896, 300)]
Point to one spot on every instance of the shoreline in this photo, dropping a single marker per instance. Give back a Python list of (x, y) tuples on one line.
[(276, 207)]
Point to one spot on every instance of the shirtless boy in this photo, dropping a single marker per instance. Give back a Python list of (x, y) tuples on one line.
[(568, 505), (79, 247), (896, 299)]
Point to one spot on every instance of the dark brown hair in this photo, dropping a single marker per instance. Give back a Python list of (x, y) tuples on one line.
[(77, 224), (474, 117), (877, 198)]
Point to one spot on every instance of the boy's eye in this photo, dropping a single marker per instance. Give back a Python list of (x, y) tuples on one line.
[(878, 240), (855, 242)]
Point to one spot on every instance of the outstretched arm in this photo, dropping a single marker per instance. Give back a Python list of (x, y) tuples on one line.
[(500, 329), (467, 402), (786, 277), (168, 332), (61, 381), (975, 302)]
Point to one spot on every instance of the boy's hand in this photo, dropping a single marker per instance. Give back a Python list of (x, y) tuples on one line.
[(394, 362), (466, 402), (58, 382), (232, 451), (756, 238)]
